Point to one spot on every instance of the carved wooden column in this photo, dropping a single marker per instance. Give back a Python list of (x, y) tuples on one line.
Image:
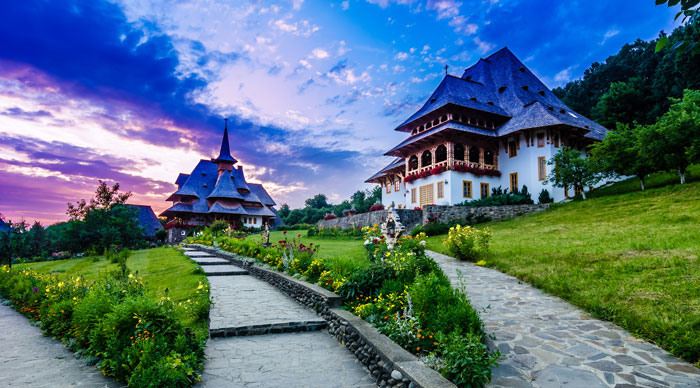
[(481, 157), (450, 155)]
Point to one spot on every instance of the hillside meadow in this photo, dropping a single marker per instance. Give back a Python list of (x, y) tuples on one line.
[(633, 259)]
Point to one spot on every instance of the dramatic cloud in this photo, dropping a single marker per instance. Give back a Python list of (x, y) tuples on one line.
[(136, 92)]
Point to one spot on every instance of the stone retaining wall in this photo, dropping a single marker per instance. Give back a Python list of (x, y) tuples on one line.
[(409, 218), (388, 363), (445, 214)]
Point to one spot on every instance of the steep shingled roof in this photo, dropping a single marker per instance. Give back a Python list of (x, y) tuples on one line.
[(147, 219), (395, 164), (515, 92)]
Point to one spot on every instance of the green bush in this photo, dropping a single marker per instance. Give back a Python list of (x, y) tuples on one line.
[(137, 340), (465, 359), (467, 243), (500, 197), (544, 197)]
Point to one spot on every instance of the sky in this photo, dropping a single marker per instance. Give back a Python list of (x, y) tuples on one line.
[(135, 92)]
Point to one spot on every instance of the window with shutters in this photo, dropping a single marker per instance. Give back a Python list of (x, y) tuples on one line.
[(388, 187), (441, 189), (512, 149), (542, 168), (513, 182), (413, 195), (484, 190), (467, 189), (397, 186), (426, 195)]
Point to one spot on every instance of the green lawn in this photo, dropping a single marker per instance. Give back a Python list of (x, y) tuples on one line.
[(160, 268), (328, 248), (633, 259)]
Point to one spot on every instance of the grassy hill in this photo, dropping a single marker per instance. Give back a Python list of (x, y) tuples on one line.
[(633, 259)]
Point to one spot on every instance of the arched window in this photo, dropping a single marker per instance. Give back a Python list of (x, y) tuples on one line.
[(426, 159), (441, 153), (435, 122), (481, 123), (459, 152), (412, 163), (443, 118), (488, 157), (474, 154)]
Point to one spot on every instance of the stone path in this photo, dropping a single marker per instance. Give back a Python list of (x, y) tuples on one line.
[(546, 342), (302, 356), (28, 359)]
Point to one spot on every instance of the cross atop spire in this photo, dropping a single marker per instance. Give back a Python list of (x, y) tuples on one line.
[(225, 153)]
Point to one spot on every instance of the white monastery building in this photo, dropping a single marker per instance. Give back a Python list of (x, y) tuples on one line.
[(496, 125)]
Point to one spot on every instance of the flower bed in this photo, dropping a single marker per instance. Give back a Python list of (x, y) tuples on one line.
[(476, 170), (135, 339), (402, 292)]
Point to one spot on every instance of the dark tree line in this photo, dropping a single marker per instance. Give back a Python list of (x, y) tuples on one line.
[(103, 223), (635, 84), (317, 207)]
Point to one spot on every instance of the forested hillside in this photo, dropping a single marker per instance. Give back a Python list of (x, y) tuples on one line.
[(635, 83)]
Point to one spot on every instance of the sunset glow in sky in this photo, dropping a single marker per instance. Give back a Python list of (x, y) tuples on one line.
[(134, 93)]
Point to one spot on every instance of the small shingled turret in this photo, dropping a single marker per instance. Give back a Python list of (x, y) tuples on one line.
[(225, 153)]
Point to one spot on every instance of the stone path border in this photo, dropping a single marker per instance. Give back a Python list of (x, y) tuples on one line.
[(547, 342), (28, 359), (388, 363)]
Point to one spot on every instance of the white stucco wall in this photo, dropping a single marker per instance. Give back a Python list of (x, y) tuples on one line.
[(257, 221), (525, 164)]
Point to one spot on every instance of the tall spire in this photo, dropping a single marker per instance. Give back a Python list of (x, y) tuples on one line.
[(225, 153)]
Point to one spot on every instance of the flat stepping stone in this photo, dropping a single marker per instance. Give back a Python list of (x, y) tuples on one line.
[(210, 261), (310, 359), (223, 270), (244, 301), (198, 254)]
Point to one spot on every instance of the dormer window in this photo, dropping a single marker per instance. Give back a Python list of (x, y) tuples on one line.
[(432, 100), (490, 103), (541, 93), (502, 89), (522, 69), (473, 99), (525, 87), (204, 174), (562, 111)]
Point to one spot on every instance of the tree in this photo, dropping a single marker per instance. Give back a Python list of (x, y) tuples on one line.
[(284, 211), (625, 151), (105, 198), (318, 201), (572, 169), (625, 102), (12, 241), (690, 12), (679, 132)]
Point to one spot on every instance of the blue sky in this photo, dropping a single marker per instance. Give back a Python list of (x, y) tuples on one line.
[(135, 91)]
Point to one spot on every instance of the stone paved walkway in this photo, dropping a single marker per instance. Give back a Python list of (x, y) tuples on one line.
[(241, 305), (546, 342), (28, 359)]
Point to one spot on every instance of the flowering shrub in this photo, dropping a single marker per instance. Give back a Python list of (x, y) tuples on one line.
[(136, 339), (424, 174), (376, 207), (468, 243)]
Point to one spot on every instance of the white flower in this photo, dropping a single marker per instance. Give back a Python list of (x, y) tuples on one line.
[(422, 243)]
